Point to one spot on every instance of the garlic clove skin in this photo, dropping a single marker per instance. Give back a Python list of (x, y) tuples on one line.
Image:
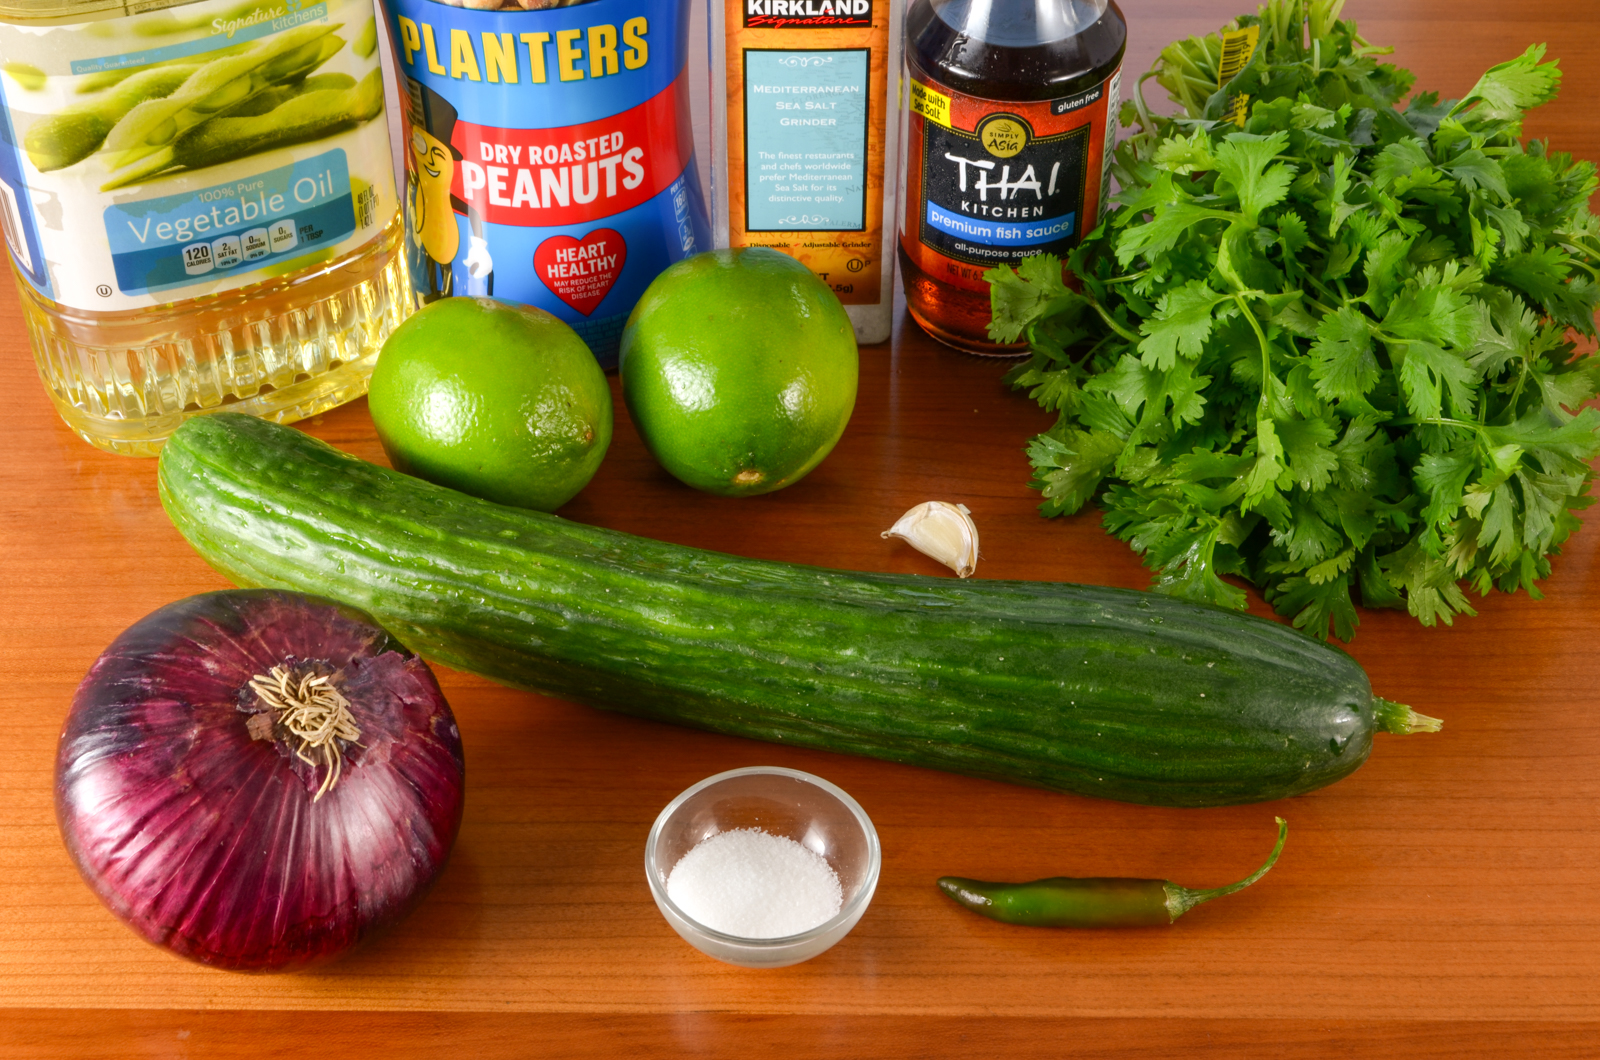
[(943, 531)]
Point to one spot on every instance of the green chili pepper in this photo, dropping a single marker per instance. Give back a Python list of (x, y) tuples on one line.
[(74, 133), (1105, 901)]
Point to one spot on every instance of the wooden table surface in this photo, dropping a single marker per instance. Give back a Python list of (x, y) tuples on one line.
[(1440, 902)]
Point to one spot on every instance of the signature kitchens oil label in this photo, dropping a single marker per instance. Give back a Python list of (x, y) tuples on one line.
[(996, 182), (550, 155), (191, 151)]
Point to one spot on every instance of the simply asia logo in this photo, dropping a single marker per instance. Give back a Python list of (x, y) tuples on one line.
[(804, 14)]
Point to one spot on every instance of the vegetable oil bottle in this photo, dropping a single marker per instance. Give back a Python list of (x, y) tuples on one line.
[(1010, 113), (200, 208)]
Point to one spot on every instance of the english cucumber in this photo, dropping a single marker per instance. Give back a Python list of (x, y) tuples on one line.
[(1108, 692)]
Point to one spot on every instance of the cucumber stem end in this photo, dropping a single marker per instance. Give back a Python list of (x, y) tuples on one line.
[(1400, 719)]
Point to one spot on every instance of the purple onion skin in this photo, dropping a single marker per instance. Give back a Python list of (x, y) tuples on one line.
[(207, 842)]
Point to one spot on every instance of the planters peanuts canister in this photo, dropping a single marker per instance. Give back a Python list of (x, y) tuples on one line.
[(549, 157)]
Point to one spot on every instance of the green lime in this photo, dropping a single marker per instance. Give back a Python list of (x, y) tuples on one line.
[(739, 369), (501, 401)]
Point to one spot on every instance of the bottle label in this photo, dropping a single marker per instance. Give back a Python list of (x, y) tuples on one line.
[(806, 140), (992, 182), (191, 151), (807, 86), (550, 159)]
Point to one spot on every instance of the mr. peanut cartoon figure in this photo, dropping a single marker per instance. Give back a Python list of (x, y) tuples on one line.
[(431, 209)]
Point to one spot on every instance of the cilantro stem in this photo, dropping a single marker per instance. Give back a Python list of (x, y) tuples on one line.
[(1323, 290), (1111, 322), (1433, 421), (1146, 121), (1125, 279), (1579, 249), (1185, 60), (1266, 348), (1088, 358), (1574, 239), (1516, 392), (1323, 17)]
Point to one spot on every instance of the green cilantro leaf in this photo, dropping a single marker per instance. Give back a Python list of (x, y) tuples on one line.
[(1342, 359), (1429, 581), (1507, 89), (1260, 483), (1306, 445), (1311, 605), (1019, 297), (1070, 469), (1328, 352), (1478, 172), (1245, 164), (1399, 161), (1426, 369), (1171, 223), (1185, 155), (1181, 324)]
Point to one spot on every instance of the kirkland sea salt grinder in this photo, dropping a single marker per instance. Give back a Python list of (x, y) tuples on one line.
[(1010, 118), (804, 131)]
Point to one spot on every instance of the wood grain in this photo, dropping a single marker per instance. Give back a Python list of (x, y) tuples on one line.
[(1440, 902), (179, 1035)]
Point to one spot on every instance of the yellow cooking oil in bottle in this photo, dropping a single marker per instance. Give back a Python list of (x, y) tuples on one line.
[(199, 204)]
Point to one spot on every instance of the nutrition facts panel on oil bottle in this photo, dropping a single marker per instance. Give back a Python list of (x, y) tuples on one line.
[(159, 244)]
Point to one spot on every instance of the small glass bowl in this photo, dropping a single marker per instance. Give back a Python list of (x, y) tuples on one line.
[(783, 802)]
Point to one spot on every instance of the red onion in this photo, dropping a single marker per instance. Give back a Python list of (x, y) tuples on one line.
[(259, 780)]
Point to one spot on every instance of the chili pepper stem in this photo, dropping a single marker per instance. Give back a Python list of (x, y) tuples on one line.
[(1181, 899), (1400, 719)]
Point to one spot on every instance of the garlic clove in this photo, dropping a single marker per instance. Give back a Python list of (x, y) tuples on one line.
[(943, 531)]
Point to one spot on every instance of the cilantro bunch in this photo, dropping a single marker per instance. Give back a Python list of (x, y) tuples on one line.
[(1327, 352)]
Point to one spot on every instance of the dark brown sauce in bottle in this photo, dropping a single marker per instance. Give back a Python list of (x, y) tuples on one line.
[(1000, 50)]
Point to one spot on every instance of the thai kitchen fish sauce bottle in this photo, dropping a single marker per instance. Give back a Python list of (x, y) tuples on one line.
[(550, 153), (199, 204), (1010, 112)]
